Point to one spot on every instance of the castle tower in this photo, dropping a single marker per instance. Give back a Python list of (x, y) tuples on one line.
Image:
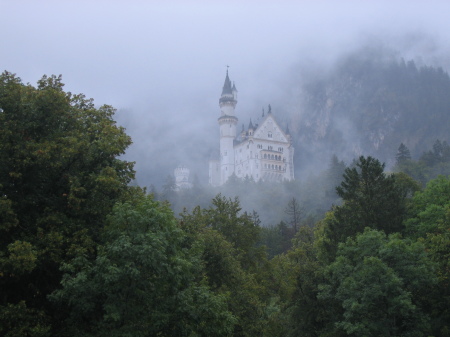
[(227, 124), (181, 174)]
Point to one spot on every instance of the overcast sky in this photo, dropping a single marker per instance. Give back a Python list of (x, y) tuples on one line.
[(162, 63)]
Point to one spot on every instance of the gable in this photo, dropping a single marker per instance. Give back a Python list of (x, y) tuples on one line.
[(270, 130)]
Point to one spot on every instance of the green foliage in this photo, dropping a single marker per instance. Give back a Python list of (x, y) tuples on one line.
[(381, 284), (18, 320), (371, 199), (403, 154), (307, 314), (430, 208), (238, 229), (430, 221), (276, 239), (142, 282), (59, 178), (21, 259), (430, 165), (230, 259)]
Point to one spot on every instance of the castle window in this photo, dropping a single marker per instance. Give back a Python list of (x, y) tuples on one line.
[(269, 134), (271, 157), (265, 156)]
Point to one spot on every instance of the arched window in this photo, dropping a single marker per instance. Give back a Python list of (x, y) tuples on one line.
[(265, 156), (269, 134)]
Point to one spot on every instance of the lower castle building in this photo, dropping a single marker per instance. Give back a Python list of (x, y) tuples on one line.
[(262, 151), (181, 174)]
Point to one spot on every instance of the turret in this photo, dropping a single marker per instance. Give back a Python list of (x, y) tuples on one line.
[(227, 101), (227, 123), (243, 133), (250, 128)]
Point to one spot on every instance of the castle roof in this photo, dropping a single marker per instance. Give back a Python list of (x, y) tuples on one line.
[(227, 90), (250, 125)]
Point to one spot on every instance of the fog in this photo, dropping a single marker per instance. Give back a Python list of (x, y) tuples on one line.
[(162, 65)]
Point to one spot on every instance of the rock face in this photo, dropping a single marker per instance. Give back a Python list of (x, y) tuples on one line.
[(368, 105)]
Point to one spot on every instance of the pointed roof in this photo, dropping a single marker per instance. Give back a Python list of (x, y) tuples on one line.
[(250, 125), (261, 132), (227, 86), (234, 87)]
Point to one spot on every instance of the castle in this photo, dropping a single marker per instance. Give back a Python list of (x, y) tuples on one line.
[(262, 152)]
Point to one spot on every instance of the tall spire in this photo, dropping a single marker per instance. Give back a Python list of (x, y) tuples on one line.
[(228, 99), (227, 86), (250, 125)]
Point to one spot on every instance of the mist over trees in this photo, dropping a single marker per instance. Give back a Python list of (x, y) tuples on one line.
[(357, 247), (369, 103)]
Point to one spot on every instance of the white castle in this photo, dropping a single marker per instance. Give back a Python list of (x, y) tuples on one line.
[(262, 152)]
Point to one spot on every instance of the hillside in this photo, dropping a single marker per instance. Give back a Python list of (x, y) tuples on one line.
[(368, 104)]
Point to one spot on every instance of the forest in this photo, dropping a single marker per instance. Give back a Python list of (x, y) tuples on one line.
[(352, 251)]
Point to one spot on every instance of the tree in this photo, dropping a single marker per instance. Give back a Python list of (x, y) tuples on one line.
[(403, 154), (308, 315), (230, 259), (371, 199), (430, 223), (143, 281), (381, 283), (59, 177), (238, 229), (333, 177), (296, 213)]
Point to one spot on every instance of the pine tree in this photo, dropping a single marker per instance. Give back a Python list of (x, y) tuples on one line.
[(403, 154)]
